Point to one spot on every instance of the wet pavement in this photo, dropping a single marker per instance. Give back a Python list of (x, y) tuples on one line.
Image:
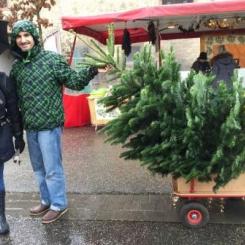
[(27, 231), (111, 201), (91, 166)]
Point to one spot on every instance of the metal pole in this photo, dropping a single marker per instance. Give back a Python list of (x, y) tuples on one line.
[(158, 45)]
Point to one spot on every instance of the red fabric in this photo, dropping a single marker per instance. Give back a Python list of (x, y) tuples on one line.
[(186, 9), (96, 26), (76, 110)]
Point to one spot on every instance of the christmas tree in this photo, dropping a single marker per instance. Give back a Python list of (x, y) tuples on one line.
[(184, 128)]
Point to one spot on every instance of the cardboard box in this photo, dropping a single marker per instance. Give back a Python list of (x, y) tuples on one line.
[(92, 107)]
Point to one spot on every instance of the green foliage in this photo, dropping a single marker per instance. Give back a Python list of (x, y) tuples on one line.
[(183, 128), (111, 56)]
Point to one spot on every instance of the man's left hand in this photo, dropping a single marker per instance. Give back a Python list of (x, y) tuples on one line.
[(105, 69), (19, 143)]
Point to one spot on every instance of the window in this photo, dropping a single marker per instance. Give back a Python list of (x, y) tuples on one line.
[(176, 1)]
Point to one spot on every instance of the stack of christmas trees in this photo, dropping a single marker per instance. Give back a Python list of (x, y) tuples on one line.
[(183, 128)]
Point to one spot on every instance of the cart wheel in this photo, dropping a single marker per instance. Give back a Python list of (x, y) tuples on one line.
[(194, 215)]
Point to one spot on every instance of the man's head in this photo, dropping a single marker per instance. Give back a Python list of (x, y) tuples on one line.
[(24, 35), (203, 56)]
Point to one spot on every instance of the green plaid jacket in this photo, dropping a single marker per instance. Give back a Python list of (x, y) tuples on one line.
[(39, 86)]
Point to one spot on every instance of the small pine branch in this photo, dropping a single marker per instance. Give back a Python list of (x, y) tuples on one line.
[(109, 57)]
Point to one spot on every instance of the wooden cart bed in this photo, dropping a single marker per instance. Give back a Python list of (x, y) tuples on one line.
[(194, 188)]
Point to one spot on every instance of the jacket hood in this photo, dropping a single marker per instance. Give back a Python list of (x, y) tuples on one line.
[(25, 26), (224, 59)]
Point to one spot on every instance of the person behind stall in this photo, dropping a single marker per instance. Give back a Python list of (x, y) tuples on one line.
[(201, 64), (10, 128), (223, 66), (40, 76)]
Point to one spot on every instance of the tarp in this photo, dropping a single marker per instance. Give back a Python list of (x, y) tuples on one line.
[(189, 20)]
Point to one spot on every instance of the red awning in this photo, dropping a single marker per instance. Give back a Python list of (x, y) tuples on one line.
[(188, 20)]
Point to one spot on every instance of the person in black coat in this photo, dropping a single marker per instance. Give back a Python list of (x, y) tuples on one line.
[(201, 64), (223, 66), (11, 136)]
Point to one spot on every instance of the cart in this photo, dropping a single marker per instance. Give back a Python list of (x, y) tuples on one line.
[(190, 196)]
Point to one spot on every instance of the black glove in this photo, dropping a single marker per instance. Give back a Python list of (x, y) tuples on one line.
[(19, 143)]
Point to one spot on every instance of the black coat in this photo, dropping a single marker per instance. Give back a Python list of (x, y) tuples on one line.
[(201, 65), (223, 68), (10, 123)]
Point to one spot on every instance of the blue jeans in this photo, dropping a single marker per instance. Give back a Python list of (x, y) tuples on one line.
[(46, 159), (2, 187)]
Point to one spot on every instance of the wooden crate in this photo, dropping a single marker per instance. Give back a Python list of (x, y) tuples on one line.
[(235, 187)]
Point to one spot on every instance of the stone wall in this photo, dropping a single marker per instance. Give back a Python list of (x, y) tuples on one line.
[(78, 7)]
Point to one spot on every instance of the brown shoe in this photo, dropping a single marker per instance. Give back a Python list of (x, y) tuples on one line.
[(52, 216), (39, 210)]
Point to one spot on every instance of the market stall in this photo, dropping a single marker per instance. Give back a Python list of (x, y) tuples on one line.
[(214, 22)]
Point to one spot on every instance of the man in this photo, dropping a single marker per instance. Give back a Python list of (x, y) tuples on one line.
[(223, 66), (10, 126), (39, 76), (201, 64)]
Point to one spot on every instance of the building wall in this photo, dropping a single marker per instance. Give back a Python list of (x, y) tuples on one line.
[(84, 8), (93, 7), (78, 7)]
